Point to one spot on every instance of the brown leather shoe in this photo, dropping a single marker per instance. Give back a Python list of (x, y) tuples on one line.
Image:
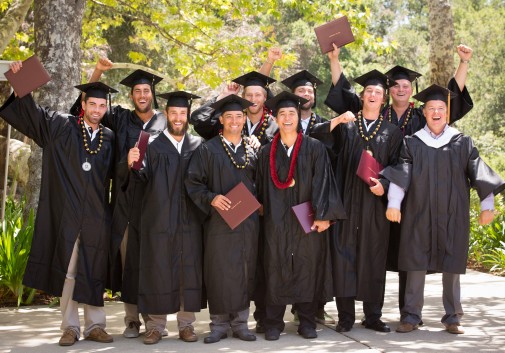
[(152, 336), (187, 334), (406, 327), (68, 338), (98, 334), (454, 329)]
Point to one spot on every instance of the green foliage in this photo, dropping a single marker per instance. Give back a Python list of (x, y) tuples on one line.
[(481, 24), (487, 242), (15, 242)]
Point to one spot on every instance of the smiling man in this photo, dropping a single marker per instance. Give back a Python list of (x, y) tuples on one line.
[(69, 251), (361, 241), (230, 255), (438, 165), (294, 169), (127, 125), (170, 279)]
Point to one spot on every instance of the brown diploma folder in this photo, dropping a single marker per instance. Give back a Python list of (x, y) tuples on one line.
[(243, 204), (368, 167), (31, 76), (141, 144), (337, 31)]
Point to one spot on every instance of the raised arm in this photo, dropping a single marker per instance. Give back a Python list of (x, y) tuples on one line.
[(465, 54), (274, 54)]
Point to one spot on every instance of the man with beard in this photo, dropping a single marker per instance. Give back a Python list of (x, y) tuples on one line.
[(360, 242), (127, 125), (230, 255), (171, 247), (438, 165), (68, 256), (294, 169)]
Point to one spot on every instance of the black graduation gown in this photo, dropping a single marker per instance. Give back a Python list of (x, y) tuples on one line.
[(297, 265), (72, 202), (435, 222), (342, 97), (126, 204), (229, 255), (171, 250), (206, 122), (360, 242)]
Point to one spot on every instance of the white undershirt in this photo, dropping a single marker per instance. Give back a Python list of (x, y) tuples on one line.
[(177, 144)]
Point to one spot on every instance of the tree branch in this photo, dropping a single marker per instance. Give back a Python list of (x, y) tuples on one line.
[(12, 20)]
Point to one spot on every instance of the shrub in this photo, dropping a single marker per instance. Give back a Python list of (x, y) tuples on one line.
[(15, 242)]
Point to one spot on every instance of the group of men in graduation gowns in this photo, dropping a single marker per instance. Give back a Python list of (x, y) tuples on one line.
[(169, 242)]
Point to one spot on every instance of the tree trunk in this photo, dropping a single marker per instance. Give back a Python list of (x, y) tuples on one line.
[(58, 31), (441, 41), (10, 22)]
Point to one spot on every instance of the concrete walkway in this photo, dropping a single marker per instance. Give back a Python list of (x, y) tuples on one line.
[(36, 329)]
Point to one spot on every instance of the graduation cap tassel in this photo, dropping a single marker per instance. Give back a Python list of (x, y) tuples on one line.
[(417, 88), (153, 90), (449, 108)]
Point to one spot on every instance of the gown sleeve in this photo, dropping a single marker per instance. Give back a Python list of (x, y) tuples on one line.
[(206, 121), (461, 104), (197, 179), (342, 97), (39, 124)]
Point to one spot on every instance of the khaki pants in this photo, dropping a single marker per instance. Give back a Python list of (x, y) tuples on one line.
[(94, 316)]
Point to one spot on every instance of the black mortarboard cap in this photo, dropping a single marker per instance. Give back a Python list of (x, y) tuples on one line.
[(96, 89), (254, 78), (138, 77), (231, 103), (435, 92), (402, 73), (302, 78), (399, 72), (374, 77), (178, 99), (438, 93), (285, 99)]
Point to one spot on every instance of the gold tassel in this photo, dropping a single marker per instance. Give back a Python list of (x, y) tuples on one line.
[(449, 108)]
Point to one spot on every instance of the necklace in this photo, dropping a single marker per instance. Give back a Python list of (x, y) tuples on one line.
[(238, 166), (86, 146), (259, 131), (290, 182), (312, 121), (408, 115), (360, 126)]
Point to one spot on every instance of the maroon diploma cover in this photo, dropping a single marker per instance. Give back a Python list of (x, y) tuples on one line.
[(368, 167), (141, 144), (243, 204), (337, 31), (305, 215), (31, 76)]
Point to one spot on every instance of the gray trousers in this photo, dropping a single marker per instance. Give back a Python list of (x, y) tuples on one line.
[(237, 321), (94, 316), (414, 298)]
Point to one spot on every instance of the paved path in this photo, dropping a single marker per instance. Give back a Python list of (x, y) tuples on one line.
[(36, 329)]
